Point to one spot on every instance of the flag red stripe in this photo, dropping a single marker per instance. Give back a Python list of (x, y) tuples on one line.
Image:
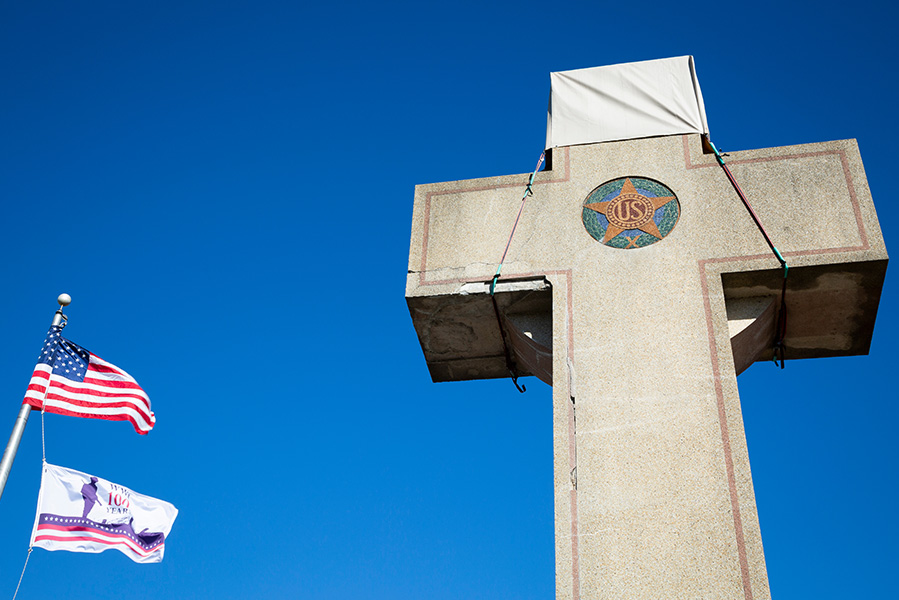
[(76, 389), (96, 410), (57, 392), (127, 548), (102, 534), (139, 408), (36, 403), (105, 367), (112, 383), (54, 400), (117, 401), (115, 383), (120, 541), (73, 386), (71, 394)]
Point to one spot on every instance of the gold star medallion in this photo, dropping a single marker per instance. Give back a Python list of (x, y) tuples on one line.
[(630, 212)]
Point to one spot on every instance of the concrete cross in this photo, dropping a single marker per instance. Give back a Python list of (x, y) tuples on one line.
[(638, 286)]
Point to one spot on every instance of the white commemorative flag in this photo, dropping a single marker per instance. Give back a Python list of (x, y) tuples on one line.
[(82, 513)]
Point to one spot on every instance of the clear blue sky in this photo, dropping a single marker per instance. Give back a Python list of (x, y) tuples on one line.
[(225, 189)]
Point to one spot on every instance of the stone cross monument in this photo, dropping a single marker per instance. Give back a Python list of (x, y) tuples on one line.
[(639, 287)]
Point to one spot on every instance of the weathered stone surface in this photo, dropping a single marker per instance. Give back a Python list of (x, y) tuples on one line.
[(653, 490)]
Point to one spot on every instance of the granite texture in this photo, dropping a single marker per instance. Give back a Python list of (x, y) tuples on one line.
[(653, 491)]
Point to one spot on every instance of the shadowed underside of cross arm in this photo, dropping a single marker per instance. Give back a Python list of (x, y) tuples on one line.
[(831, 313)]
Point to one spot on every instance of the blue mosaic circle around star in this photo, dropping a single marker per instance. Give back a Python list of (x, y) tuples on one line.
[(665, 217)]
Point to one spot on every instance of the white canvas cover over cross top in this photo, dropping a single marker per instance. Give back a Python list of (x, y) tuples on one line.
[(621, 102)]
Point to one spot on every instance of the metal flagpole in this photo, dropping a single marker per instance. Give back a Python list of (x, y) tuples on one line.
[(18, 429)]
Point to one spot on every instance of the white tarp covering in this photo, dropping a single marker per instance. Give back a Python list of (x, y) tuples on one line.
[(622, 102)]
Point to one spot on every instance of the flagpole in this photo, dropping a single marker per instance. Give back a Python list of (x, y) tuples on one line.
[(9, 455)]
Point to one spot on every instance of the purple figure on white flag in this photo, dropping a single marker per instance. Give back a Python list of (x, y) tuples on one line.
[(111, 516), (89, 493)]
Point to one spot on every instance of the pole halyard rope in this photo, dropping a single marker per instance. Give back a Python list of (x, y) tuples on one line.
[(27, 556), (43, 443)]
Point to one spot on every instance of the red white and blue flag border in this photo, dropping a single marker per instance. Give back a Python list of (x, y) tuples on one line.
[(55, 532)]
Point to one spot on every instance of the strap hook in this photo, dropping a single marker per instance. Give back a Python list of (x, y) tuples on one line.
[(521, 388)]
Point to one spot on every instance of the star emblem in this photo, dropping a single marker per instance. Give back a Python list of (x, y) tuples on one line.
[(630, 210)]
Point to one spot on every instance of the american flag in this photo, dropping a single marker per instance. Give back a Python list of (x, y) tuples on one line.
[(69, 380)]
